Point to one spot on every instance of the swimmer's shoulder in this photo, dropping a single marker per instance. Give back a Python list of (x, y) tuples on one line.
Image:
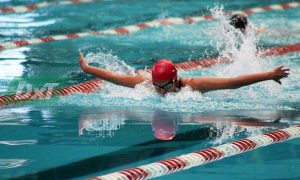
[(185, 81), (194, 83), (146, 75)]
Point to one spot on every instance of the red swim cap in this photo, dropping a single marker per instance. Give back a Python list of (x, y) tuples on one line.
[(164, 70)]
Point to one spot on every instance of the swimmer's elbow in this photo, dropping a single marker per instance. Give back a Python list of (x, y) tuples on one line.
[(235, 83), (128, 80)]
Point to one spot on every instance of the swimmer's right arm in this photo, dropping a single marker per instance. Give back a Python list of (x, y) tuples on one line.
[(113, 77)]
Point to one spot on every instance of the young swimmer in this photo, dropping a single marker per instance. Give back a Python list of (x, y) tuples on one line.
[(165, 80), (240, 22)]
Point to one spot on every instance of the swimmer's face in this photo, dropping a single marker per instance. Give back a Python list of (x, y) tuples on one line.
[(165, 86)]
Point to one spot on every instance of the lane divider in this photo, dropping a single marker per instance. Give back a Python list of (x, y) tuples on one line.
[(280, 50), (194, 65), (205, 63), (86, 87), (26, 8), (138, 27), (186, 161), (94, 85)]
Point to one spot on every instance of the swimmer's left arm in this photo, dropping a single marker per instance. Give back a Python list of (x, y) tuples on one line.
[(210, 84)]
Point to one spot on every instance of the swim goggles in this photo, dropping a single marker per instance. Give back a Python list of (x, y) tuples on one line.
[(165, 86)]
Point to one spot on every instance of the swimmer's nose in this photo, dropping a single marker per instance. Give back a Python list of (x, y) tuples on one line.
[(162, 91)]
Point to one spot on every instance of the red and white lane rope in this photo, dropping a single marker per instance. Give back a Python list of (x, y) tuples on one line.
[(86, 87), (204, 63), (194, 65), (280, 50), (26, 8), (138, 27), (201, 157)]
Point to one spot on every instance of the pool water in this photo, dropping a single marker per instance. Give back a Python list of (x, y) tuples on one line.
[(86, 135)]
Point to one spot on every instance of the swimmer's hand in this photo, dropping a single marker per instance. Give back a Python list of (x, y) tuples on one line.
[(83, 63), (279, 73)]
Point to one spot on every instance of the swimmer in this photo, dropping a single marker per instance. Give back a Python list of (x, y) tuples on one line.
[(165, 79), (240, 22)]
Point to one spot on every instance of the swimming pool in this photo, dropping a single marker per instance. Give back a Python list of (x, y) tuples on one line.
[(86, 135)]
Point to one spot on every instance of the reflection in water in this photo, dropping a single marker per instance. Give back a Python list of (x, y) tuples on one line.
[(165, 125), (19, 142), (135, 126), (11, 163), (104, 124)]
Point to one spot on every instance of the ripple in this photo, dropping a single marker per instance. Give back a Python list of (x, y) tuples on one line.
[(18, 143), (11, 163)]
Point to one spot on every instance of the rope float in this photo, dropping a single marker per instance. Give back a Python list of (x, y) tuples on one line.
[(281, 50), (194, 65), (94, 85), (86, 87), (205, 63), (138, 27), (26, 8), (201, 157)]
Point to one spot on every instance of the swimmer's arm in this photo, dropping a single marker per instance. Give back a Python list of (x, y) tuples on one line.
[(211, 84), (113, 77)]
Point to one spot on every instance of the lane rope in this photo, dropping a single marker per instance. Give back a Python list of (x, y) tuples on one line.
[(85, 87), (138, 27), (186, 161), (94, 85), (205, 63), (26, 8), (280, 50)]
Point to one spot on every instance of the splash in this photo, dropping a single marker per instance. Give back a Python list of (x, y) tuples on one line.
[(242, 49), (107, 60), (236, 45)]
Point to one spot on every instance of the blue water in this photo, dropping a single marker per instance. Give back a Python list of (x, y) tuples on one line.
[(85, 135)]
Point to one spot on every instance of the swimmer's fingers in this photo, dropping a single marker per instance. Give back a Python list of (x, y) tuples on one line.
[(282, 68), (81, 56), (280, 71), (278, 81), (287, 69), (83, 62), (285, 72), (82, 59), (279, 68)]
